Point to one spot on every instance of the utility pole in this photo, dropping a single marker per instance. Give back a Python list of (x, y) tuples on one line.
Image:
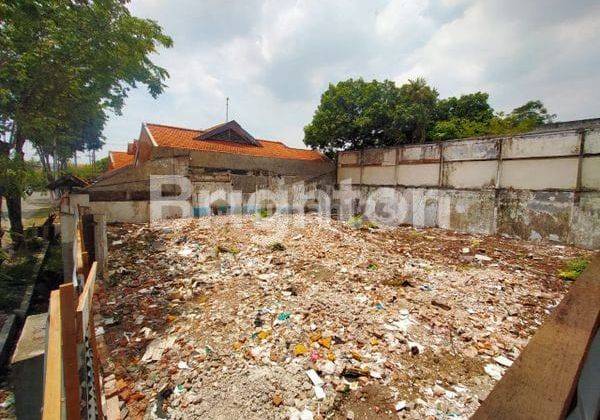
[(227, 109)]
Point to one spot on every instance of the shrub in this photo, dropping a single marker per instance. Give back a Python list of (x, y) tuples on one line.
[(573, 269)]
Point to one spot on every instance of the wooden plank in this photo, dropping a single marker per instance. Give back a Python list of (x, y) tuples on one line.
[(96, 367), (53, 379), (69, 350), (542, 381), (84, 306)]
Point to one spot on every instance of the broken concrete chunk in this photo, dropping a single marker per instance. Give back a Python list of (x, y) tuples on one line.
[(314, 377), (494, 371), (319, 393), (501, 360), (400, 405)]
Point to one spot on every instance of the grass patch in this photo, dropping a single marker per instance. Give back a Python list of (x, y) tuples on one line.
[(573, 269), (15, 275), (227, 250), (359, 222)]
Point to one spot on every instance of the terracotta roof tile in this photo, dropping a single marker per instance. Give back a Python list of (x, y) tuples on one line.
[(184, 138), (119, 159)]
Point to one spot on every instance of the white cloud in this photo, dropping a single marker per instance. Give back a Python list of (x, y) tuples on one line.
[(274, 58)]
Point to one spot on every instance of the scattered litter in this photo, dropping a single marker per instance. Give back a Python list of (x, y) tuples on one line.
[(400, 405), (284, 316), (494, 371), (319, 393), (314, 377), (354, 310), (501, 360)]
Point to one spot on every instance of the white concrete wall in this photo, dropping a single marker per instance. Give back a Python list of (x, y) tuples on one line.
[(378, 175), (122, 211), (539, 174), (424, 174), (525, 186), (475, 174)]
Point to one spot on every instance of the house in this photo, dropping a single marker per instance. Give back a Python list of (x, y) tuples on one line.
[(118, 160), (224, 157)]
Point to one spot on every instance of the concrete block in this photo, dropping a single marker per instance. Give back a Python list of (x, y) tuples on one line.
[(27, 375), (424, 174), (475, 174), (471, 149), (590, 172), (539, 174), (547, 144), (592, 142), (378, 175), (420, 152), (351, 173)]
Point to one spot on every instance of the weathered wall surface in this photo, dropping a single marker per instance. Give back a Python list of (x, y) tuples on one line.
[(129, 188), (122, 211), (537, 186)]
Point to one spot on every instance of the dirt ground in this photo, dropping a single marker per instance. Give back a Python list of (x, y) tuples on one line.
[(222, 317)]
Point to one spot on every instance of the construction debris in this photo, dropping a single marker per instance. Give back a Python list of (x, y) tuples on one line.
[(210, 320)]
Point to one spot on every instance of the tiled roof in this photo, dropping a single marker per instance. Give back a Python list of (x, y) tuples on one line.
[(119, 159), (184, 138)]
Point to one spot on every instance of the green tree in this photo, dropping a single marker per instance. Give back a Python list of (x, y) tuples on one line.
[(17, 178), (355, 114), (473, 107), (88, 171), (416, 110), (63, 65), (466, 116), (533, 112)]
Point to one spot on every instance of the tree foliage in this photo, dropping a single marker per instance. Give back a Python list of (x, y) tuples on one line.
[(89, 171), (65, 64), (355, 114)]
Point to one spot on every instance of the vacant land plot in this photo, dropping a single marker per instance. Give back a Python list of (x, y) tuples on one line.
[(223, 317)]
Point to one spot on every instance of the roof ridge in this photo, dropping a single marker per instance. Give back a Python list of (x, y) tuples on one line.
[(286, 146), (176, 127)]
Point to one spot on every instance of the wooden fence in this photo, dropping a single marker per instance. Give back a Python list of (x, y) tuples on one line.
[(543, 381), (72, 387)]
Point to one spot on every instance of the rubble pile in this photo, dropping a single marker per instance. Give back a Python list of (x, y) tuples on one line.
[(302, 317)]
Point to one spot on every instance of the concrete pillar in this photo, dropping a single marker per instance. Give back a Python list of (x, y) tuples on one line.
[(27, 368), (100, 244), (68, 240)]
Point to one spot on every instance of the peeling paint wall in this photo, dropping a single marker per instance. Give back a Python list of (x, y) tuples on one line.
[(537, 186)]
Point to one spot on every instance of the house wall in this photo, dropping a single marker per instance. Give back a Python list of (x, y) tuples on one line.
[(538, 186), (125, 194), (230, 161)]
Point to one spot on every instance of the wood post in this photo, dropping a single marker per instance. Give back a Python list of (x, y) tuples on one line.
[(53, 407), (101, 244), (69, 350)]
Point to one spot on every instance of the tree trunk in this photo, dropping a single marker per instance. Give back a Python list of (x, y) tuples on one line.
[(1, 231), (13, 201), (13, 204)]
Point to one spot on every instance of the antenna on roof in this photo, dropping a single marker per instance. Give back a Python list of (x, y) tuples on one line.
[(227, 109)]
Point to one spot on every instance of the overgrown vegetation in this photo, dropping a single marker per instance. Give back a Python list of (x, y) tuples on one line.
[(88, 171), (573, 269), (355, 114), (360, 222), (15, 275), (64, 65)]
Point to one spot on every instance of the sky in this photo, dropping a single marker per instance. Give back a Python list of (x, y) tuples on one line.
[(274, 59)]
